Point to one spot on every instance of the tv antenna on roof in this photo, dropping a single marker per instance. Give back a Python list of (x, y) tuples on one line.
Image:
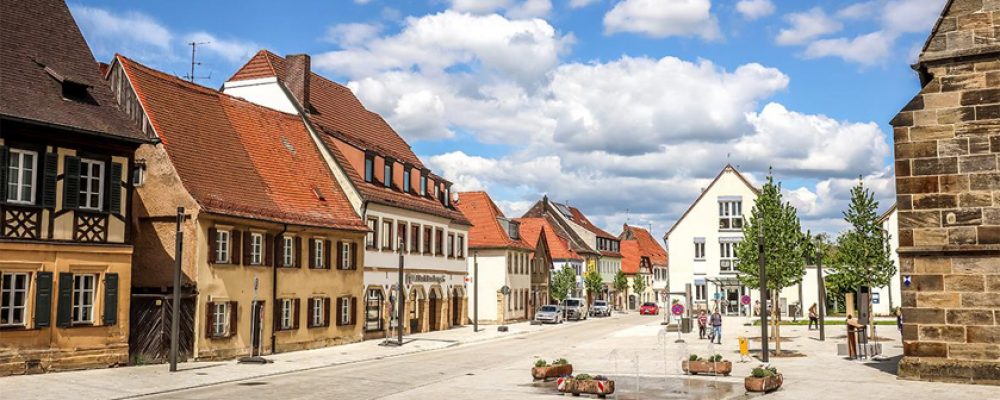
[(190, 76)]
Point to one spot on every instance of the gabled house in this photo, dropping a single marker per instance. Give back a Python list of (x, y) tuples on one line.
[(600, 249), (66, 233), (504, 260), (407, 208), (643, 258), (535, 230), (271, 244)]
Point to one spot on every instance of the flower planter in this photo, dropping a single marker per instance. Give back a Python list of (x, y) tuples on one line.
[(707, 367), (551, 371), (591, 386), (762, 385)]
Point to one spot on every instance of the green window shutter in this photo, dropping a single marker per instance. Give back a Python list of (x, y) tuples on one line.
[(51, 175), (110, 299), (3, 173), (64, 312), (115, 189), (43, 300), (71, 183)]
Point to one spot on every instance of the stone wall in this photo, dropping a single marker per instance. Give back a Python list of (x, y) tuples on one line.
[(948, 191)]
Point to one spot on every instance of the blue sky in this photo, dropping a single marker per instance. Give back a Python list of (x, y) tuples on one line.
[(625, 108)]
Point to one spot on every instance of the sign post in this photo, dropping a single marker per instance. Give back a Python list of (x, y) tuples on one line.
[(745, 301), (175, 306), (678, 311)]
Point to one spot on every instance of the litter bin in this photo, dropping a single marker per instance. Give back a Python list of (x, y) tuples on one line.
[(686, 325)]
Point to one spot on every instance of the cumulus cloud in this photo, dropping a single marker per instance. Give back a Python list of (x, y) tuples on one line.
[(127, 32), (352, 34), (755, 9), (663, 18), (806, 26), (868, 49), (512, 8), (581, 3), (233, 50)]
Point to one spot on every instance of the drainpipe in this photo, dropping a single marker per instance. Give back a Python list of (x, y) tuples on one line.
[(274, 290)]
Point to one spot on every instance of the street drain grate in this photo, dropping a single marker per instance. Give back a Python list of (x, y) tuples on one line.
[(251, 383)]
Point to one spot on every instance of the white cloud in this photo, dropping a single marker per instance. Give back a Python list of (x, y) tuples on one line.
[(128, 33), (868, 49), (530, 9), (479, 6), (663, 18), (513, 8), (755, 9), (232, 50), (362, 2), (906, 16), (806, 26), (352, 34), (862, 10), (581, 3)]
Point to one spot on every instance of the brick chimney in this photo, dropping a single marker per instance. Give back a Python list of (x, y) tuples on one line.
[(297, 72)]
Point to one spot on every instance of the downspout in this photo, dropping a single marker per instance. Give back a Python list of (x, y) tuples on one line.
[(274, 291)]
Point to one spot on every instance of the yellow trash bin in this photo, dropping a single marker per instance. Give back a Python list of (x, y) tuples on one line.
[(744, 347)]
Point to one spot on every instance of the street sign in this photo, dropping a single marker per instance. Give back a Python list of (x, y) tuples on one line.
[(906, 281), (745, 300), (677, 309)]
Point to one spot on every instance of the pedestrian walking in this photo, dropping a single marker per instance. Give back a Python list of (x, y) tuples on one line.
[(716, 322), (702, 323), (853, 327), (756, 308), (813, 316)]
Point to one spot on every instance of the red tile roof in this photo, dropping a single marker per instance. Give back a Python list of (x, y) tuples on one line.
[(486, 231), (532, 228), (631, 258), (41, 47), (237, 158), (636, 243), (578, 217)]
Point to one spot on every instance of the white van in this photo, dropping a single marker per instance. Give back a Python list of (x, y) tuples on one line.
[(576, 308)]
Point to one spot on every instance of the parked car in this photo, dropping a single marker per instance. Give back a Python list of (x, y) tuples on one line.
[(649, 309), (549, 314), (600, 308), (576, 308)]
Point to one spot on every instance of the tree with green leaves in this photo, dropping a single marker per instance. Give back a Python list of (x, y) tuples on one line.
[(621, 286), (863, 258), (594, 283), (562, 283), (784, 244), (638, 284)]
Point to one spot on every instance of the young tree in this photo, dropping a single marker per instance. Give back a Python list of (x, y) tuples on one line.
[(621, 285), (594, 283), (638, 284), (562, 283), (784, 257), (863, 256)]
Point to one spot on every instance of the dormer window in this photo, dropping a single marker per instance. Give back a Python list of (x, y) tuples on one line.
[(387, 173), (423, 183), (406, 179), (369, 168)]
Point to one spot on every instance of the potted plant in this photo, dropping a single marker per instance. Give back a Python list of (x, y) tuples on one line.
[(543, 370), (586, 384), (763, 379), (715, 365)]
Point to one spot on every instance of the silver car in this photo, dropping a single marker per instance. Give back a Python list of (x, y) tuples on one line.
[(549, 314), (600, 308)]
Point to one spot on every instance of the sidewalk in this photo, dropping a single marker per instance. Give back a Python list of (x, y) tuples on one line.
[(138, 381)]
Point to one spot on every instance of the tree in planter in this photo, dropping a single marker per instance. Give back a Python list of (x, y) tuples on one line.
[(594, 283), (621, 286), (562, 283), (784, 262), (863, 256)]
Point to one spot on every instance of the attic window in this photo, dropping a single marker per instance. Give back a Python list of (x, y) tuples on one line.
[(72, 89)]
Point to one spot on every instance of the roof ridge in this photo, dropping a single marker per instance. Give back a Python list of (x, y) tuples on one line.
[(728, 167)]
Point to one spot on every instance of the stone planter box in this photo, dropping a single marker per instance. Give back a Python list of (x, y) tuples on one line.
[(551, 371), (576, 387), (707, 367), (762, 385)]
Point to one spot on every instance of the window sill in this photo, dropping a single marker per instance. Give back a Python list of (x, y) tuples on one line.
[(730, 229), (17, 328), (699, 260), (220, 337), (81, 325)]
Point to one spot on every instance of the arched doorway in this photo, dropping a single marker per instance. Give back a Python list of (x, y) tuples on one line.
[(456, 307), (434, 313), (416, 314)]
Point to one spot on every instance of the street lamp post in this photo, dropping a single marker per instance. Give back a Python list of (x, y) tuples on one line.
[(400, 296), (475, 291), (175, 306)]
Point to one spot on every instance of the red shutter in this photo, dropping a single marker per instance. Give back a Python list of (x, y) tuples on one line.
[(213, 236), (326, 308), (327, 248), (209, 320), (340, 311), (233, 317), (236, 249), (297, 251), (354, 255), (312, 254), (295, 315), (354, 310), (270, 248)]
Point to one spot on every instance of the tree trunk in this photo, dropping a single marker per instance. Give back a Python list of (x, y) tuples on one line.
[(777, 323)]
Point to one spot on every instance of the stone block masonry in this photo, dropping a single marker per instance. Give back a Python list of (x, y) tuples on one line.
[(947, 142)]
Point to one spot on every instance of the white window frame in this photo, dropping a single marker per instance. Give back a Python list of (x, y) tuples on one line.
[(86, 181), (15, 176), (699, 249), (256, 248), (288, 251), (11, 291), (727, 256), (319, 259), (318, 313), (731, 211), (701, 292), (345, 255), (387, 237), (220, 319), (345, 310), (287, 314), (223, 246), (83, 298)]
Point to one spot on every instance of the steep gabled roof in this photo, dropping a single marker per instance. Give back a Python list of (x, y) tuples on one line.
[(486, 231), (546, 209), (727, 168), (533, 228), (887, 214), (577, 216), (238, 158), (41, 51), (646, 244)]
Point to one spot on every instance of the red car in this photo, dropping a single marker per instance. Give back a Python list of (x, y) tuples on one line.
[(649, 309)]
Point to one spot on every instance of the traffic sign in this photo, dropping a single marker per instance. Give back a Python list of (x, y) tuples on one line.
[(677, 309), (745, 300)]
